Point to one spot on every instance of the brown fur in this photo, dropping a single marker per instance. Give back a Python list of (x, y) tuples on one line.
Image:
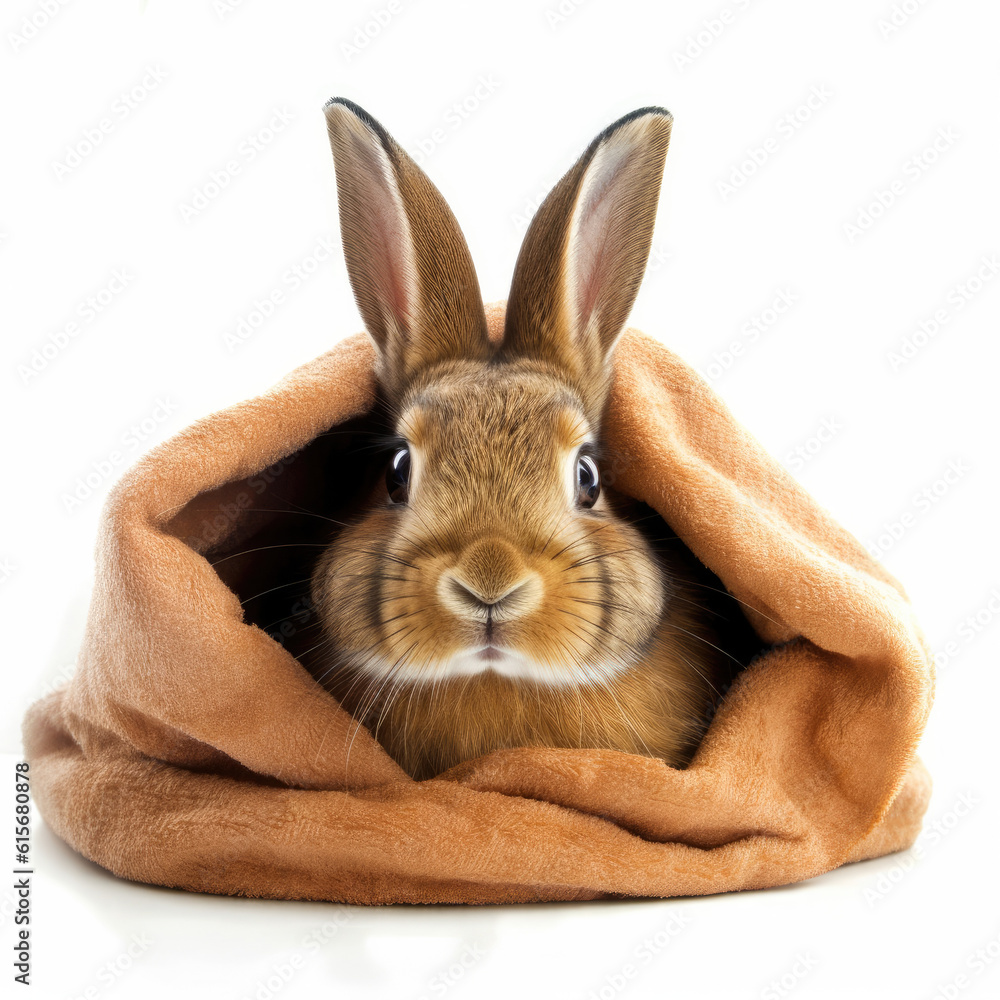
[(434, 293), (603, 590), (624, 651), (657, 709), (540, 314)]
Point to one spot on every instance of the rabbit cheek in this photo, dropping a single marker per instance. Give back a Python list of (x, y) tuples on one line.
[(380, 617), (606, 598)]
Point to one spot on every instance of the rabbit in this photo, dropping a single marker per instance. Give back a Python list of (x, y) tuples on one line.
[(491, 591)]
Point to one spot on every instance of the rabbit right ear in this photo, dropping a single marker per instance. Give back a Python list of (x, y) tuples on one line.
[(408, 261), (585, 251)]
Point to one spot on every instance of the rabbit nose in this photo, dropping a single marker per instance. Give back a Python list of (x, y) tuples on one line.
[(490, 582), (465, 593), (465, 600)]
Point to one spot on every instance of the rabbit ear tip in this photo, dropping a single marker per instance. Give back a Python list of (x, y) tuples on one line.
[(340, 105), (649, 120), (650, 109), (653, 113)]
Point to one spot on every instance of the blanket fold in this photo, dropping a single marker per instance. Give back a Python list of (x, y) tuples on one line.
[(192, 749)]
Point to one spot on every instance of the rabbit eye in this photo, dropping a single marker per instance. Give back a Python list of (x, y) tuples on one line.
[(397, 476), (588, 481)]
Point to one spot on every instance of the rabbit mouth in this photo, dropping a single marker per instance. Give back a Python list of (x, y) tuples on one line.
[(490, 653), (509, 663), (487, 657)]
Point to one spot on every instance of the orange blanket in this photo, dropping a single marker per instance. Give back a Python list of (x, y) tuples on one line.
[(191, 749)]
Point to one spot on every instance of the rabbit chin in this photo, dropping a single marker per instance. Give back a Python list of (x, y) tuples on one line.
[(500, 660)]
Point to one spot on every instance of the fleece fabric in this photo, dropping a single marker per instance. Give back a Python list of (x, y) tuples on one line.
[(191, 749)]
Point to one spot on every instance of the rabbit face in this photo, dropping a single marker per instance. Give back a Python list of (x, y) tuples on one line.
[(505, 557)]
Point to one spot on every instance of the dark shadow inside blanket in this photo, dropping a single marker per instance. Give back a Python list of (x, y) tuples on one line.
[(264, 534)]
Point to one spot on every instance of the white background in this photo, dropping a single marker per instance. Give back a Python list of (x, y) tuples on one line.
[(872, 435)]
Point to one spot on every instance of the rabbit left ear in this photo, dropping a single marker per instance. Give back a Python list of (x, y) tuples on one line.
[(408, 262), (585, 252)]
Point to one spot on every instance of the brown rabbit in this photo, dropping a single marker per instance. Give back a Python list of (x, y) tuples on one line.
[(490, 593)]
